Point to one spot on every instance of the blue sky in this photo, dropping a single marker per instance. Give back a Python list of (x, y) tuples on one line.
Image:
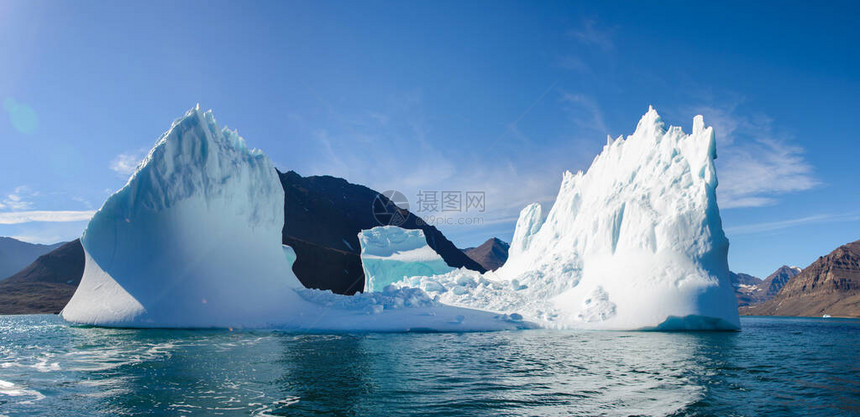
[(494, 96)]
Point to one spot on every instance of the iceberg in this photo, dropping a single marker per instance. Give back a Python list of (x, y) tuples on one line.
[(391, 253), (193, 240), (635, 242)]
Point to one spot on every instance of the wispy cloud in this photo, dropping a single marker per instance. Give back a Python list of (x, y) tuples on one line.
[(381, 118), (396, 153), (83, 201), (592, 45), (18, 217), (573, 63), (591, 33), (585, 112), (405, 154), (756, 173), (513, 126), (19, 199), (44, 239), (126, 163), (756, 164), (785, 224)]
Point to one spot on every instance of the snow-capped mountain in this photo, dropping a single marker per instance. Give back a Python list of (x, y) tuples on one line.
[(746, 287), (751, 290), (774, 282)]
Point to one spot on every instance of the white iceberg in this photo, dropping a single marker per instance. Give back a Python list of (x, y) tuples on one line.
[(194, 240), (636, 242), (391, 253)]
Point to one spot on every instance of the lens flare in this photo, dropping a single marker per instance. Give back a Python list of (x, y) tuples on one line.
[(22, 116)]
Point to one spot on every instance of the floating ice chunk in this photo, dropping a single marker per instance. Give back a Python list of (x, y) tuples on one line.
[(390, 253), (597, 307)]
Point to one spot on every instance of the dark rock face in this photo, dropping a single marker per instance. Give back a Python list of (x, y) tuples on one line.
[(322, 267), (492, 254), (323, 217), (775, 281), (830, 285), (751, 290), (745, 287), (740, 278), (15, 255), (46, 285)]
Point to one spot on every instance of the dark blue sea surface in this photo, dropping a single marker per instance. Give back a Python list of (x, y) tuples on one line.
[(774, 367)]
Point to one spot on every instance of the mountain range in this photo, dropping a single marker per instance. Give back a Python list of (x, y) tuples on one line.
[(47, 284), (830, 285), (751, 290), (15, 254)]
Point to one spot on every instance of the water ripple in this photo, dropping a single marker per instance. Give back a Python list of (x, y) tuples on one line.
[(773, 367)]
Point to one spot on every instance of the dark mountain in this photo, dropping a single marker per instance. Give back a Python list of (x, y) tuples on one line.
[(492, 254), (831, 285), (775, 281), (745, 286), (741, 279), (46, 285), (15, 254), (751, 290), (323, 217)]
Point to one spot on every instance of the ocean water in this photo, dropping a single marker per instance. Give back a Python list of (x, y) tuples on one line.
[(775, 366)]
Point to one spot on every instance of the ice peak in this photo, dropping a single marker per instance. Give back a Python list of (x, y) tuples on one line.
[(698, 124), (205, 127), (195, 111), (193, 115), (650, 121), (528, 224)]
